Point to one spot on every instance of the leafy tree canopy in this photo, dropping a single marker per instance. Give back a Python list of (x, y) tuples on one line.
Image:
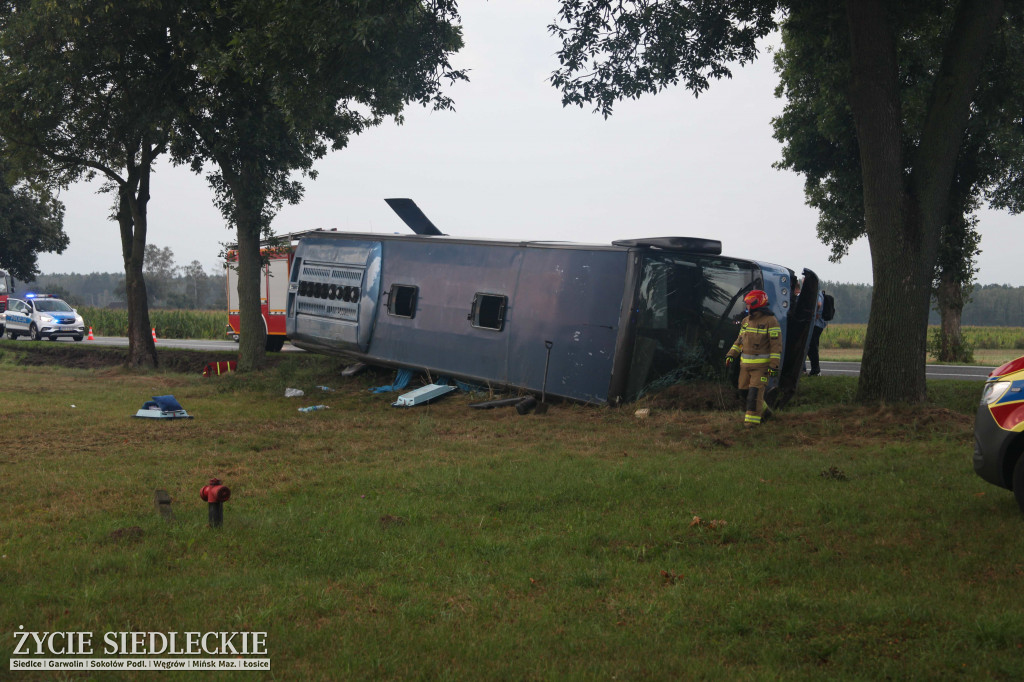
[(31, 222), (93, 87), (624, 48), (819, 137), (615, 50), (280, 84)]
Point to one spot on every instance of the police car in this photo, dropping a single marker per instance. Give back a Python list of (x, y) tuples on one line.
[(41, 315)]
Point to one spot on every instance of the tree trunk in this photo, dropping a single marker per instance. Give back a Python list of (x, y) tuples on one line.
[(904, 213), (950, 298), (252, 343), (894, 346), (131, 218)]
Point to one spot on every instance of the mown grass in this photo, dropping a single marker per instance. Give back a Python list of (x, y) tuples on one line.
[(448, 543)]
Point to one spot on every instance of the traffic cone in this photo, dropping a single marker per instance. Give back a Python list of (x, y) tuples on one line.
[(154, 334), (91, 337)]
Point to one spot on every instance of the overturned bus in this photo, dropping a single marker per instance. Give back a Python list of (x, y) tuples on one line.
[(592, 323)]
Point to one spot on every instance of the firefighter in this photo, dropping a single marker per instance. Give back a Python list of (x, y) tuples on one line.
[(759, 349)]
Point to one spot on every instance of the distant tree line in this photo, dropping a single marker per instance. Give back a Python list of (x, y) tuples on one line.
[(168, 285), (990, 305)]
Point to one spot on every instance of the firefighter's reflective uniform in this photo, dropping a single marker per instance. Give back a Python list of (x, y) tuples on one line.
[(759, 348)]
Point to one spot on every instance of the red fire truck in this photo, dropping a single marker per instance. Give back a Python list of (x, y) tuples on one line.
[(6, 289), (273, 288)]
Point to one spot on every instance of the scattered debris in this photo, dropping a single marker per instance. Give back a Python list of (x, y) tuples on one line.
[(220, 367), (326, 389), (526, 404), (714, 524), (642, 413), (313, 408), (353, 369), (163, 407), (491, 404), (422, 396), (402, 379), (834, 473), (294, 393), (670, 578)]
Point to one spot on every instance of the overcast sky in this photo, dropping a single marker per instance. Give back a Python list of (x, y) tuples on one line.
[(511, 162)]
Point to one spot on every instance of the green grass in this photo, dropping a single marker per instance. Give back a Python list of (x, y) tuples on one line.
[(448, 543)]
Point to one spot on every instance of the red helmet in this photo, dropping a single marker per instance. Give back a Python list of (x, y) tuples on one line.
[(756, 299)]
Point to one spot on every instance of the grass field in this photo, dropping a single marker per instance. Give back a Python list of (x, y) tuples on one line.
[(448, 543)]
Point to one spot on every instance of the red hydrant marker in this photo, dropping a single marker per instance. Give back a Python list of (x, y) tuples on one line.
[(216, 495)]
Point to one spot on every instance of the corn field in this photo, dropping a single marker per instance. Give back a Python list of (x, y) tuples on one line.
[(169, 324), (993, 338)]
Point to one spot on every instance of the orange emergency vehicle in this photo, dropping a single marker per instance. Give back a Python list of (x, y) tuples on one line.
[(277, 254), (273, 293)]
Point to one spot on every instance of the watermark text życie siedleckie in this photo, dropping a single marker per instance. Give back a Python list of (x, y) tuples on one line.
[(141, 643)]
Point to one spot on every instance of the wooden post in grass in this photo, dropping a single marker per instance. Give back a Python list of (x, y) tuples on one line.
[(163, 505)]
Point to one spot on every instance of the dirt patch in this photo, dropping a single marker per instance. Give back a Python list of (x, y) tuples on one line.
[(130, 533), (695, 397)]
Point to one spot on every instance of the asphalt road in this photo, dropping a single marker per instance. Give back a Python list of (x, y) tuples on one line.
[(191, 344), (963, 372), (850, 369)]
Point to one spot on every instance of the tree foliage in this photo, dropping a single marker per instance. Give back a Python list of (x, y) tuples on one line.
[(88, 88), (623, 48), (819, 139), (31, 222), (248, 91), (280, 84)]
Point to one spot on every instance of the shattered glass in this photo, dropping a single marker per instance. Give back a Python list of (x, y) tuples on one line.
[(688, 313)]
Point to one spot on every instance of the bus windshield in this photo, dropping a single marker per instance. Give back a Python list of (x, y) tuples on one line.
[(688, 311)]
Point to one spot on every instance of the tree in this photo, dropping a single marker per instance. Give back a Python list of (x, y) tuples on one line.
[(88, 88), (196, 284), (31, 222), (160, 272), (613, 49), (282, 82), (817, 131)]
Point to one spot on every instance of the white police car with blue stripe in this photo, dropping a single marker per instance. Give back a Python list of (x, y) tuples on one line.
[(40, 315)]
